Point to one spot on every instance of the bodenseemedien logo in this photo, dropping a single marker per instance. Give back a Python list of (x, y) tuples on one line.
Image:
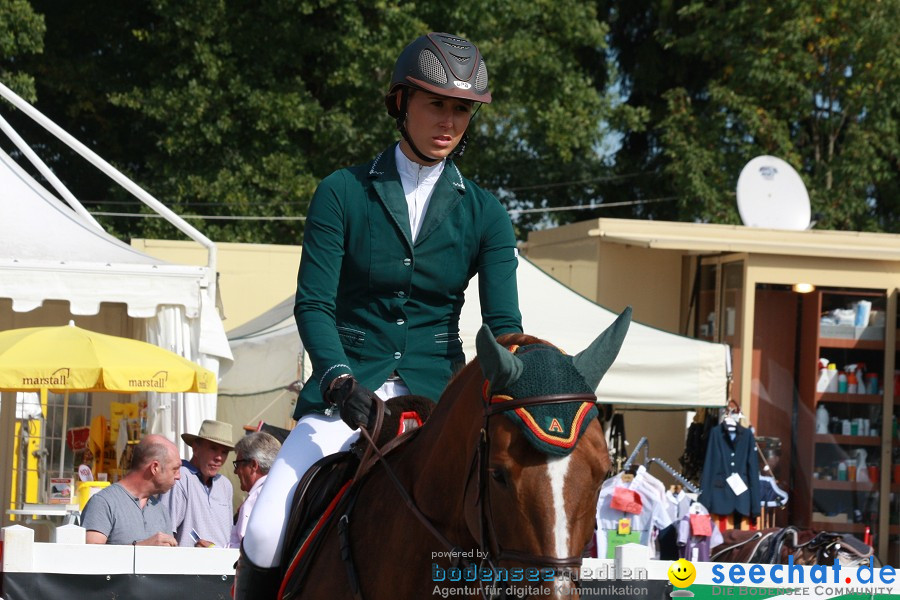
[(682, 574)]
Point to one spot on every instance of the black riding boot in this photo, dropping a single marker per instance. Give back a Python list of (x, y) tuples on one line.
[(255, 583)]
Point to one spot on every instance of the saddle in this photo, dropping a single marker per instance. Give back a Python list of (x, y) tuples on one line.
[(324, 488), (774, 545)]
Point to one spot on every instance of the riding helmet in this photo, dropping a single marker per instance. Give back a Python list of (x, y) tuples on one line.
[(443, 64)]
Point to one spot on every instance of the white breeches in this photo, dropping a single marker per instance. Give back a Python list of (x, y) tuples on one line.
[(314, 437)]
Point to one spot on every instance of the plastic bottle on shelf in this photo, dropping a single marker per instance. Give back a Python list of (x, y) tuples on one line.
[(822, 419), (842, 383), (871, 383), (852, 379), (842, 471), (832, 386)]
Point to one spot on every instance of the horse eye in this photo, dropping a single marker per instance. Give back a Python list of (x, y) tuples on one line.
[(498, 475)]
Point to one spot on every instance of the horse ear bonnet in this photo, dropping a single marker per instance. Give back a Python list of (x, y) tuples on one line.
[(542, 370)]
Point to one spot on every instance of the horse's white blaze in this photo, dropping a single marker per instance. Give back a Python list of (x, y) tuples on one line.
[(557, 468)]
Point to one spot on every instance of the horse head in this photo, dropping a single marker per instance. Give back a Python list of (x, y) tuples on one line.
[(532, 491)]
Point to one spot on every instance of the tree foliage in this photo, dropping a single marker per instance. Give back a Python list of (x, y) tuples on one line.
[(21, 34), (648, 109), (814, 83), (240, 107)]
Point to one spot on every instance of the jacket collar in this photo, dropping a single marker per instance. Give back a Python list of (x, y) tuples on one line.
[(448, 192)]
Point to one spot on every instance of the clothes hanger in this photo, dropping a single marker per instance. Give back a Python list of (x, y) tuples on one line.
[(732, 417)]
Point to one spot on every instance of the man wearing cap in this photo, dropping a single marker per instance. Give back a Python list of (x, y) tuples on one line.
[(201, 500)]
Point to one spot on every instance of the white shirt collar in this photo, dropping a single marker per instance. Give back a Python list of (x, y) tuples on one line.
[(418, 183)]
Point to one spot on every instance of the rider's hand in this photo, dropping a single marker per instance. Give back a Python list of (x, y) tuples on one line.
[(354, 402)]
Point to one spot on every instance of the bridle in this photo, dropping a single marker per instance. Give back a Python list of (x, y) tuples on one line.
[(491, 551), (490, 544)]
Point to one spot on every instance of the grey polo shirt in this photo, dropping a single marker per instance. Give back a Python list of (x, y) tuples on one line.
[(206, 509), (118, 515)]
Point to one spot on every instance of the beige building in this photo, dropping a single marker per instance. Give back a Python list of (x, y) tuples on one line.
[(739, 285), (252, 277)]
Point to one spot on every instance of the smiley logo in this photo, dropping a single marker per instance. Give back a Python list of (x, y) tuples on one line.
[(682, 573)]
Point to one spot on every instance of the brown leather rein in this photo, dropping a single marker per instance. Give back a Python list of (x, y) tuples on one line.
[(489, 544)]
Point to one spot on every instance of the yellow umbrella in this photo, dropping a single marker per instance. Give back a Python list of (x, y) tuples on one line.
[(68, 358)]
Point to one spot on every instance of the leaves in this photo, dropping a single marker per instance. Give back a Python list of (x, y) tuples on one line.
[(644, 109)]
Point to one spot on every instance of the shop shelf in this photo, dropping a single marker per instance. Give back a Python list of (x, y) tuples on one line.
[(848, 440), (851, 344), (844, 486), (849, 398)]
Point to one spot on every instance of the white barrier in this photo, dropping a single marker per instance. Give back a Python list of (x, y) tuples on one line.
[(632, 573), (21, 554)]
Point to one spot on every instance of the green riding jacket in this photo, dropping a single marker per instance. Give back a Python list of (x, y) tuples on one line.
[(371, 302)]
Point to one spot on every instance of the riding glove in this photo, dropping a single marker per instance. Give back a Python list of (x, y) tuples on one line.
[(354, 401)]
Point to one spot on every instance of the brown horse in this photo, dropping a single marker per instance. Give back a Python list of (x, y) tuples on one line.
[(476, 499)]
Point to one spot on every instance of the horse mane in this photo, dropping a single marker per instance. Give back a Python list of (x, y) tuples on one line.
[(521, 339)]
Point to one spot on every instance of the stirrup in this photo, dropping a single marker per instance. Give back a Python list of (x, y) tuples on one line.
[(255, 583)]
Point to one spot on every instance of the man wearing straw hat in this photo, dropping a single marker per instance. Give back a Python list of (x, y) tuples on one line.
[(201, 501)]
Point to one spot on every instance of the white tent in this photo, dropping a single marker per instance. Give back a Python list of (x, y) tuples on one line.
[(654, 367), (57, 263), (268, 358)]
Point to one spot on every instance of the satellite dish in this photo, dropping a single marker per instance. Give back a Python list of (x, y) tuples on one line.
[(771, 195)]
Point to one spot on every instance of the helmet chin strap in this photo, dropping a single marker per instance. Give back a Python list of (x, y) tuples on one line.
[(402, 127)]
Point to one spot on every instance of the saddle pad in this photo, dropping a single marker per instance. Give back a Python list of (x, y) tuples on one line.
[(315, 492), (298, 566)]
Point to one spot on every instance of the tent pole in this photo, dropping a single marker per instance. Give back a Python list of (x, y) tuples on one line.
[(62, 442)]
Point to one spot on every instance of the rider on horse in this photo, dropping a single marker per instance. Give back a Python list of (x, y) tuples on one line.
[(388, 250)]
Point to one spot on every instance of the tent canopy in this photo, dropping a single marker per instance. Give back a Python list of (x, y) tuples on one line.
[(654, 367), (47, 252), (53, 252)]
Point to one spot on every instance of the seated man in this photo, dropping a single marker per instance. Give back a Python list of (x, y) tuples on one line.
[(200, 504), (129, 511), (254, 455)]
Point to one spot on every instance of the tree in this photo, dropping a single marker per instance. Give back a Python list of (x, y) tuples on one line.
[(240, 108), (21, 33), (815, 83)]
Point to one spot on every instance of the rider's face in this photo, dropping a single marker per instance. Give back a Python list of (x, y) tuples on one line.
[(435, 123)]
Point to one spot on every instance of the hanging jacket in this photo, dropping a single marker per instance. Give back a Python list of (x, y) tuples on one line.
[(724, 457)]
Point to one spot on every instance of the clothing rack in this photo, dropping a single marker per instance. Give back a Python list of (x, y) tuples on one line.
[(644, 445)]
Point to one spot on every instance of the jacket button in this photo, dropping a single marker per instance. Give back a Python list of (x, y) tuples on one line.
[(399, 321), (397, 355), (407, 262)]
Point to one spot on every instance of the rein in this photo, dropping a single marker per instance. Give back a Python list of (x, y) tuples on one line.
[(487, 543)]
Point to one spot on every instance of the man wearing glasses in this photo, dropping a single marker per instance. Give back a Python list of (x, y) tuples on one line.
[(255, 454)]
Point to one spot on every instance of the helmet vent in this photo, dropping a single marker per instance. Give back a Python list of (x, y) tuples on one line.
[(461, 59), (431, 67), (459, 44), (481, 78)]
